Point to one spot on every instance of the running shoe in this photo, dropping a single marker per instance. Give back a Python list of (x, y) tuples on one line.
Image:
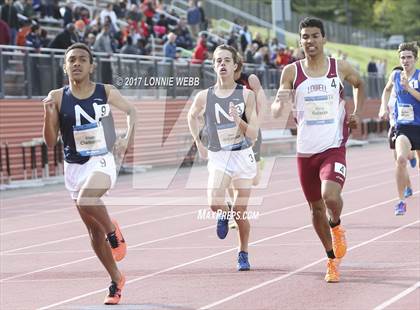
[(332, 275), (243, 263), (339, 241), (413, 162), (222, 228), (114, 295), (408, 192), (117, 243), (400, 208)]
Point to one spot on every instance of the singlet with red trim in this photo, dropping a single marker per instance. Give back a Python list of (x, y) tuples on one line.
[(319, 110)]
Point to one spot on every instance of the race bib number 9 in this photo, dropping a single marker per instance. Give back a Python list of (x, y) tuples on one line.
[(319, 110), (405, 113), (229, 136), (90, 139)]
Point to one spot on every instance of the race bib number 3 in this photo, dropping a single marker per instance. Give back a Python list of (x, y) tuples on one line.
[(229, 136), (319, 110), (90, 139), (405, 113)]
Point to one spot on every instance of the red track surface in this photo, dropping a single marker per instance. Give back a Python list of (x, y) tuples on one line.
[(176, 261)]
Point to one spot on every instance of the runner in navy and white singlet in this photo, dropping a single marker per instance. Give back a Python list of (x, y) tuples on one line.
[(231, 125), (82, 113)]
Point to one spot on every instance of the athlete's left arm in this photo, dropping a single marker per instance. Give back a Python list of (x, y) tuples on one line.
[(407, 87), (350, 75), (250, 128), (117, 100)]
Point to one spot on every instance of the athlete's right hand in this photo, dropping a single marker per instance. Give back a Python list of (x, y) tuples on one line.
[(383, 115), (49, 105), (202, 150)]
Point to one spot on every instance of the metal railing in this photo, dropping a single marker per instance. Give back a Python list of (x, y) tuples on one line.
[(26, 74)]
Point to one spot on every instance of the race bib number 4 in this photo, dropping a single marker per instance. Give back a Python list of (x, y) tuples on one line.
[(90, 139), (405, 113), (229, 136), (319, 110)]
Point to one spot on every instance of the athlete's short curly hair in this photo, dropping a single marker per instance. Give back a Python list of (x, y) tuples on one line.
[(409, 46), (79, 46)]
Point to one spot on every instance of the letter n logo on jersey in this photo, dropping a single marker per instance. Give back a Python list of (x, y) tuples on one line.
[(219, 110)]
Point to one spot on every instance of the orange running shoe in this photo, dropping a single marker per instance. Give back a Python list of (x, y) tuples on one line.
[(117, 243), (332, 275), (115, 289), (339, 241)]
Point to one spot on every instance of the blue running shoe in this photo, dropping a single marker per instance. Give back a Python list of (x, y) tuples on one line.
[(243, 263), (408, 192), (400, 208), (413, 162), (222, 226)]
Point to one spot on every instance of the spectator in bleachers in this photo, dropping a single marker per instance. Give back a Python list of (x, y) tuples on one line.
[(143, 47), (169, 48), (163, 24), (65, 38), (4, 33), (171, 21), (134, 14), (28, 9), (80, 29), (193, 18), (104, 44), (85, 15), (45, 41), (201, 51), (112, 28), (250, 52), (275, 45), (233, 41), (282, 58), (108, 12), (9, 15), (49, 9), (184, 38), (148, 10), (203, 21), (68, 13), (129, 48), (120, 8), (372, 70), (90, 40), (258, 39), (260, 55), (23, 32), (18, 4), (245, 38), (143, 28), (33, 39)]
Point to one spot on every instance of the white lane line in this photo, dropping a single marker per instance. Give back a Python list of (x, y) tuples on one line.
[(289, 274), (86, 235), (397, 297), (146, 222), (147, 202), (228, 251), (191, 232), (118, 192)]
